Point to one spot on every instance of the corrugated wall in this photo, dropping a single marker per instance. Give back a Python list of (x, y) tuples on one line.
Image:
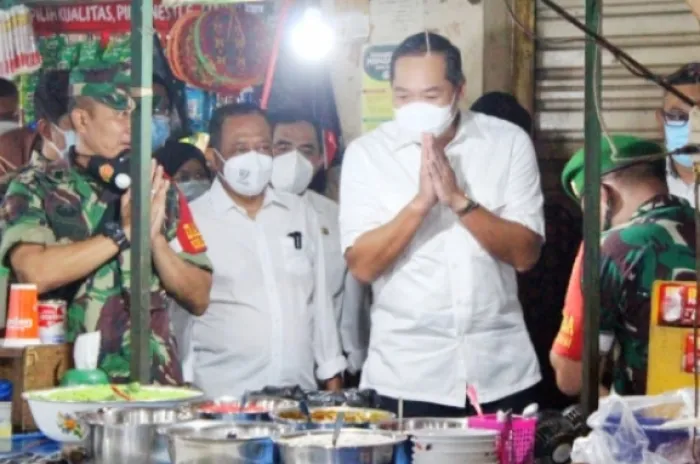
[(660, 34)]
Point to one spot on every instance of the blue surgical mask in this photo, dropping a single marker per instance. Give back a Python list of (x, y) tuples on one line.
[(677, 136), (193, 189), (160, 131)]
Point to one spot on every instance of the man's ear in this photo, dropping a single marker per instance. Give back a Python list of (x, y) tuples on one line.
[(43, 127), (211, 158), (79, 118)]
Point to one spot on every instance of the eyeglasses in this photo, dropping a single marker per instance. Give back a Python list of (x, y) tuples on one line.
[(676, 118)]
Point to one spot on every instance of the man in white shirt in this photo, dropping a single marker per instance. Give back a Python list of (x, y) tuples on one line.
[(438, 210), (299, 167), (270, 318), (673, 118)]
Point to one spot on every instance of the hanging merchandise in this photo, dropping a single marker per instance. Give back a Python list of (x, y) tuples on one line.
[(18, 49), (199, 108), (222, 50)]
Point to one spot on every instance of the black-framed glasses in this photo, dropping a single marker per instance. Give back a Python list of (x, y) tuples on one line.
[(676, 118)]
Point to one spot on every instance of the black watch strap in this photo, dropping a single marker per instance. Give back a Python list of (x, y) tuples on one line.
[(113, 231), (468, 208)]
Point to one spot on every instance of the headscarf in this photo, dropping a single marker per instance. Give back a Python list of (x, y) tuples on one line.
[(173, 155)]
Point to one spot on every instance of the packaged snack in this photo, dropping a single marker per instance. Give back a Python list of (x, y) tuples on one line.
[(89, 54), (118, 51), (49, 48), (68, 56)]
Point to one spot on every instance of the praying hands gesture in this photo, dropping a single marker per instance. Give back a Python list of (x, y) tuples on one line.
[(441, 174), (159, 192)]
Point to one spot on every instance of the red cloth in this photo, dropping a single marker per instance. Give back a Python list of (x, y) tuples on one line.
[(569, 341)]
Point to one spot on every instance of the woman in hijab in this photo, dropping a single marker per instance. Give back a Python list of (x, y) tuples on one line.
[(186, 166)]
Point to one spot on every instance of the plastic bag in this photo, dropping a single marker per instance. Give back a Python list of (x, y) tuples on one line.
[(625, 430)]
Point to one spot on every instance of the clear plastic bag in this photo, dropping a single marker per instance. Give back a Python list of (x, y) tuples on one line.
[(625, 430)]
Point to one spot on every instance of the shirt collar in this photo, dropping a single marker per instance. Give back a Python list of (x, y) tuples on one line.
[(658, 201), (222, 202), (467, 128)]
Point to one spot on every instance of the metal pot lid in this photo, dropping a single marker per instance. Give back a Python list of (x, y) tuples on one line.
[(240, 432)]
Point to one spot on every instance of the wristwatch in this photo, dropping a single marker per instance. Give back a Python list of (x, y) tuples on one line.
[(113, 231), (468, 206)]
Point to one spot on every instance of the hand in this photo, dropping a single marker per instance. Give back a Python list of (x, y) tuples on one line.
[(335, 384), (694, 7), (426, 198), (441, 173), (159, 193)]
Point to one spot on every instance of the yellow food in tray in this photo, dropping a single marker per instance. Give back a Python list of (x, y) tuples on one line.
[(352, 416)]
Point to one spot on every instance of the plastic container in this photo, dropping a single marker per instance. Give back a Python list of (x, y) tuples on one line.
[(5, 410), (516, 444), (649, 426)]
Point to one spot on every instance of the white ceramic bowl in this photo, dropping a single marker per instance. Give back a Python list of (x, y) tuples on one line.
[(57, 419)]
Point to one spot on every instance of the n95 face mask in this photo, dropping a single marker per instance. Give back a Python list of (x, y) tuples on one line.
[(291, 172), (247, 174)]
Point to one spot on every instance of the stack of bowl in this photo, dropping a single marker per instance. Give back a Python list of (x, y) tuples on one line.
[(446, 441)]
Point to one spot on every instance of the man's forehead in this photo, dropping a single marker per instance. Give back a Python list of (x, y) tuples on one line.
[(690, 90), (246, 127), (299, 132)]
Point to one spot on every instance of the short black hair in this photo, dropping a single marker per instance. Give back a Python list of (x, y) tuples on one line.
[(504, 106), (293, 118), (686, 74), (51, 97), (419, 44), (222, 113), (637, 173), (173, 155), (8, 88)]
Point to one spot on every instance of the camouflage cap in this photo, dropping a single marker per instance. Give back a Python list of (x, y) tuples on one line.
[(628, 147), (108, 86)]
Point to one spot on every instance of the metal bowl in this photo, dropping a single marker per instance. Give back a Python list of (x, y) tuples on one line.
[(117, 436), (421, 423), (230, 443), (195, 428), (354, 417), (265, 405), (354, 446)]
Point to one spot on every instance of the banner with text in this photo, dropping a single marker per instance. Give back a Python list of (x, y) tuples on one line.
[(113, 18)]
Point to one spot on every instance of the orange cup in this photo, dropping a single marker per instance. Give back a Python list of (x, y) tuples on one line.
[(22, 316)]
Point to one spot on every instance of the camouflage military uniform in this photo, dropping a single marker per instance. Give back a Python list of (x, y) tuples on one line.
[(5, 180), (658, 243), (59, 203)]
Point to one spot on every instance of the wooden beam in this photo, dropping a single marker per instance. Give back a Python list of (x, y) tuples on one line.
[(524, 54)]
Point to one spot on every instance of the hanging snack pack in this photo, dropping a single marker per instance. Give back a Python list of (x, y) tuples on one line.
[(199, 108), (118, 51), (49, 48), (27, 87), (68, 56), (18, 48), (89, 54)]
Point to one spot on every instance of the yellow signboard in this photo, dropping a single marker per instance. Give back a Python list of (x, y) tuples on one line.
[(377, 106), (672, 346)]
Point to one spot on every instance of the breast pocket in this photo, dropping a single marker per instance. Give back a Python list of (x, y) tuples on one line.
[(297, 258)]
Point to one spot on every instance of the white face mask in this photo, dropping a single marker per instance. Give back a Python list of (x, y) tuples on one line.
[(247, 174), (291, 172), (417, 118), (69, 139)]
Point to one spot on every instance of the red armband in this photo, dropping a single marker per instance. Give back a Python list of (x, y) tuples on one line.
[(569, 341)]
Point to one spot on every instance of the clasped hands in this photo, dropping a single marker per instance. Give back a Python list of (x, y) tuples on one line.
[(159, 192), (438, 182)]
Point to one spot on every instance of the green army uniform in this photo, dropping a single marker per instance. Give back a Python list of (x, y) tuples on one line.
[(36, 160), (657, 243), (60, 203)]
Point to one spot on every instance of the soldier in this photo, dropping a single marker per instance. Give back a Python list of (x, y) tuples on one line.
[(648, 235), (68, 231), (54, 134)]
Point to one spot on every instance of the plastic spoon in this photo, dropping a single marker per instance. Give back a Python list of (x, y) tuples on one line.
[(339, 419), (531, 410), (474, 400)]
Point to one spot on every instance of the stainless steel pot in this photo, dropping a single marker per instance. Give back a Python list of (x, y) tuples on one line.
[(127, 436), (355, 446), (421, 423), (232, 443)]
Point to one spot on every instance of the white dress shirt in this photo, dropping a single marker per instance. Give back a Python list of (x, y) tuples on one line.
[(351, 309), (270, 317), (446, 314), (677, 186)]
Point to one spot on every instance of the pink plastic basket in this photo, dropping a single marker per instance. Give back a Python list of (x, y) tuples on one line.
[(516, 444)]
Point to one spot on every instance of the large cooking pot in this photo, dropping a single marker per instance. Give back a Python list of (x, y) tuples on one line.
[(227, 443), (355, 446), (127, 436)]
